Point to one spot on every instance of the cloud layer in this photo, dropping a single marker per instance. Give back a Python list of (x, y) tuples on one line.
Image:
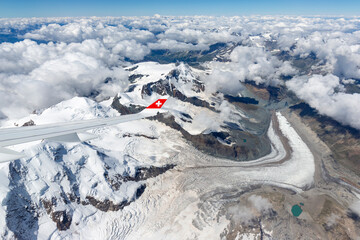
[(34, 76), (50, 59), (326, 94)]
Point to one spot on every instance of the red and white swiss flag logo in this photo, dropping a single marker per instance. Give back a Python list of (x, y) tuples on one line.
[(158, 103)]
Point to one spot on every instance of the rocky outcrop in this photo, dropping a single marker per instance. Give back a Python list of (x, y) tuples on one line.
[(63, 219), (22, 216), (124, 110), (237, 145), (105, 205), (132, 78), (162, 87), (141, 174), (29, 123), (168, 85), (139, 135), (344, 141)]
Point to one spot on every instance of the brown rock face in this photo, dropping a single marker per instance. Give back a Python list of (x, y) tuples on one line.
[(123, 109), (343, 141), (62, 219), (105, 205), (29, 123), (238, 149)]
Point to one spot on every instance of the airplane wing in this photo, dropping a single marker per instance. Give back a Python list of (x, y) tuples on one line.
[(64, 132)]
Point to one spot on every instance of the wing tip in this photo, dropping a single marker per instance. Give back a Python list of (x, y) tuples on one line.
[(157, 104), (7, 155)]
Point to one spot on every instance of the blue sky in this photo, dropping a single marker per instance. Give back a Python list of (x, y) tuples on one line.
[(49, 8)]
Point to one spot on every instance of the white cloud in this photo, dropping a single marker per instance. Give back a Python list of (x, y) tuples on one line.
[(71, 32), (207, 121), (261, 204), (38, 75), (340, 51), (325, 93), (355, 207), (131, 49), (224, 81), (254, 63), (241, 214), (247, 64), (197, 36), (79, 52), (332, 219), (175, 46)]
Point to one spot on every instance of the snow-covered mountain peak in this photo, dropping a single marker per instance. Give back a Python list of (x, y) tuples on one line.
[(182, 73), (180, 76), (63, 186), (77, 108)]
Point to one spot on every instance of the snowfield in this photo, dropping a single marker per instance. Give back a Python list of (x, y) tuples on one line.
[(227, 159), (53, 170), (75, 181), (178, 199)]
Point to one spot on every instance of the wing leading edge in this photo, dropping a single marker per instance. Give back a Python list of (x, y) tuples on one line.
[(64, 132)]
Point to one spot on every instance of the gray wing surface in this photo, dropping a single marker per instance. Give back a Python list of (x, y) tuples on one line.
[(61, 132)]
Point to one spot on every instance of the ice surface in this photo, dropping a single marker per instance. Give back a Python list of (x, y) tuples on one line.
[(171, 201)]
